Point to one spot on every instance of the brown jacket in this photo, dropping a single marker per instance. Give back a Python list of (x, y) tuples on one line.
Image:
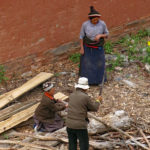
[(47, 109), (79, 104)]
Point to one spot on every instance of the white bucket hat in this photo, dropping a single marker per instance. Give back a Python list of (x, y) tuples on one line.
[(82, 83), (47, 86)]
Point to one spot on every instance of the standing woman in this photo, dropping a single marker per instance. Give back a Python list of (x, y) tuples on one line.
[(92, 34)]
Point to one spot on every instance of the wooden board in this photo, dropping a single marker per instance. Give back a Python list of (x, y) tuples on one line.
[(15, 108), (17, 118), (6, 94), (60, 96), (10, 96)]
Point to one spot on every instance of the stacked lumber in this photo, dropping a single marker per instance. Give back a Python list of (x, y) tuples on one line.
[(12, 95), (20, 112)]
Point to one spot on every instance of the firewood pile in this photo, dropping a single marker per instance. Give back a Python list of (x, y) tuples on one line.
[(113, 131), (117, 133)]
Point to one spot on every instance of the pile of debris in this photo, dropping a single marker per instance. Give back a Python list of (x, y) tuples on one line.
[(109, 132)]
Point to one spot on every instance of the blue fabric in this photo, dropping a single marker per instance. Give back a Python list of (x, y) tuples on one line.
[(92, 64)]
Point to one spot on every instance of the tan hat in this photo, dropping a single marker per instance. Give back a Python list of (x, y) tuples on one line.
[(82, 83)]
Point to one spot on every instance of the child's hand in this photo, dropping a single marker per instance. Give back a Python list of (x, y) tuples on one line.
[(100, 98)]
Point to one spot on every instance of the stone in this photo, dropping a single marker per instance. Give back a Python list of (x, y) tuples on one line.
[(129, 83), (27, 74), (118, 79), (118, 68), (147, 67)]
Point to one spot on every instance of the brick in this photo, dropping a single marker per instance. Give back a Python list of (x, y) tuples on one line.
[(38, 32)]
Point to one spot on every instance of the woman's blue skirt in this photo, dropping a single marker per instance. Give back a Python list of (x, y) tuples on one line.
[(92, 65)]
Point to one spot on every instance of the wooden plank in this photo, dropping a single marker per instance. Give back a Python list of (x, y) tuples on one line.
[(13, 109), (20, 117), (10, 96), (17, 118), (6, 94), (60, 96)]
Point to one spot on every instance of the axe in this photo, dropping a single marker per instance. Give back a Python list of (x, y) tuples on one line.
[(102, 84)]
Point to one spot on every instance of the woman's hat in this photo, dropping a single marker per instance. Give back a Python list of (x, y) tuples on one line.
[(82, 83), (47, 86), (93, 12)]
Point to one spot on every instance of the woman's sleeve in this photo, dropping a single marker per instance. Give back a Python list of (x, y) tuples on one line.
[(82, 31), (105, 29), (59, 106), (52, 106)]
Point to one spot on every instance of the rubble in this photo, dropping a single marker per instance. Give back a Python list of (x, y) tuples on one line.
[(131, 97)]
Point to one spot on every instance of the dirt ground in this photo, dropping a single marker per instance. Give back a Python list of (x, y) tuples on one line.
[(117, 95)]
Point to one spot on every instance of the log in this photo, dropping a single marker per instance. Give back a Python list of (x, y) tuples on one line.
[(106, 144), (12, 95), (39, 137), (144, 136), (118, 119), (137, 138), (103, 145), (26, 144), (94, 144), (109, 144)]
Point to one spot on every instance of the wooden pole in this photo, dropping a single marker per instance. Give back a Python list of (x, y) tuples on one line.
[(119, 130), (26, 144), (147, 141)]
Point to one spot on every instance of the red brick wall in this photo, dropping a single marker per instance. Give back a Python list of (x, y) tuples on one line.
[(30, 27)]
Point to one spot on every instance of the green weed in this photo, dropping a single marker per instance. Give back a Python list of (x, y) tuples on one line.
[(6, 136), (75, 58), (56, 74), (115, 63), (3, 78), (108, 47)]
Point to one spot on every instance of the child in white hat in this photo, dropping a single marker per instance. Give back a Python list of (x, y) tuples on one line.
[(79, 104)]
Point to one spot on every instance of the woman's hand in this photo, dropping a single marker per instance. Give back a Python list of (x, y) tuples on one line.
[(82, 48), (82, 51), (98, 37)]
